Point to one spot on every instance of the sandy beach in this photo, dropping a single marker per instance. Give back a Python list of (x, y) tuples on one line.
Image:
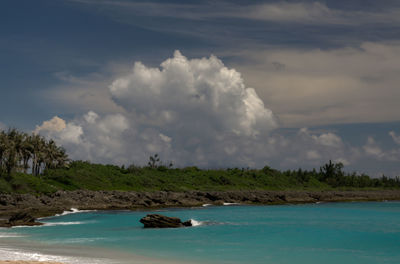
[(27, 262)]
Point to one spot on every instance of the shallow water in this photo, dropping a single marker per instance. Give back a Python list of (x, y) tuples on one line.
[(313, 233)]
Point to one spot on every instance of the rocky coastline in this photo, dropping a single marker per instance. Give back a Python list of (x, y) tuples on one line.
[(17, 208)]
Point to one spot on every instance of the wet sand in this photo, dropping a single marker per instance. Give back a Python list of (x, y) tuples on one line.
[(27, 262)]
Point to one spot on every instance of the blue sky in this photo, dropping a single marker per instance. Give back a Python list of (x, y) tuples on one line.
[(327, 73)]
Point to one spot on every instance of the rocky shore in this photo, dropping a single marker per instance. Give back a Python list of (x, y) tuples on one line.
[(28, 206)]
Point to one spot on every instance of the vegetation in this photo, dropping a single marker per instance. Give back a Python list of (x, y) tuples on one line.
[(84, 175), (30, 164), (20, 152)]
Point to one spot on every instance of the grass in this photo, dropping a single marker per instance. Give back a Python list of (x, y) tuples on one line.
[(84, 175)]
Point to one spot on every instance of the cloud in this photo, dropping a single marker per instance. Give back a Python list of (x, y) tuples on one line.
[(395, 138), (201, 92), (193, 111), (318, 87), (85, 93), (92, 137), (291, 12), (55, 124), (311, 149), (372, 148), (197, 112), (312, 154), (2, 126), (316, 12), (328, 139)]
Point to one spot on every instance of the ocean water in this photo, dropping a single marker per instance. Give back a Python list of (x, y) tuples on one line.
[(354, 233)]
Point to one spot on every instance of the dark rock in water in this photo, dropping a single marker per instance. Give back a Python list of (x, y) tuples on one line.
[(162, 221), (22, 218), (187, 223)]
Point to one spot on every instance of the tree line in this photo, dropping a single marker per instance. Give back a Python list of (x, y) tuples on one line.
[(333, 174), (22, 152), (33, 154)]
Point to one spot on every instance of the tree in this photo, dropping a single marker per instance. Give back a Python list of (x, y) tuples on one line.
[(332, 173), (154, 161), (18, 150)]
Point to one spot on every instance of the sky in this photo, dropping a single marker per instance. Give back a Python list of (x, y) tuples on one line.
[(213, 84)]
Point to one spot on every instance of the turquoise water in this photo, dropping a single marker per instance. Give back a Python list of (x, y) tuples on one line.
[(313, 233)]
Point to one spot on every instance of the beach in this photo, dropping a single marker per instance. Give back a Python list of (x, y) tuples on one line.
[(27, 262)]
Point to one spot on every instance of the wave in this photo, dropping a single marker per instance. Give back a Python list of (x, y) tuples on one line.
[(205, 205), (196, 223), (7, 253), (4, 235), (205, 223), (65, 223), (54, 224), (74, 211)]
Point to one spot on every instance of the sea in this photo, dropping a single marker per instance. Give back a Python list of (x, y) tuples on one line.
[(337, 233)]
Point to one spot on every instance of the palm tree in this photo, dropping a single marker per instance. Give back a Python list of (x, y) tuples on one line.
[(3, 149), (51, 153), (38, 153), (26, 152), (18, 150), (62, 158)]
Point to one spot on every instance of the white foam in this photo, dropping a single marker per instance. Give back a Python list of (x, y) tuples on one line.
[(196, 223), (65, 223), (205, 205), (25, 226), (231, 203), (55, 224), (9, 235), (74, 211), (13, 254)]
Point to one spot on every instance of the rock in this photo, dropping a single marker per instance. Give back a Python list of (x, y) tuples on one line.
[(22, 218), (187, 223), (162, 221)]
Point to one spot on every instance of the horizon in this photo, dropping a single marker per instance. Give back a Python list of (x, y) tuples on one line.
[(288, 84)]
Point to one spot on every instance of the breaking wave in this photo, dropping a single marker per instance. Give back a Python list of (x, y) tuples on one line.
[(74, 211)]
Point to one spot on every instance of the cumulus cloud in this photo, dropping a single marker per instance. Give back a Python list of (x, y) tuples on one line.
[(55, 124), (328, 139), (312, 148), (196, 112), (193, 111), (373, 149), (202, 93), (92, 137), (395, 137)]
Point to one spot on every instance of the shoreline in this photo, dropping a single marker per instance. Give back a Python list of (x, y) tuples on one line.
[(60, 201), (19, 250), (70, 254), (27, 262)]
